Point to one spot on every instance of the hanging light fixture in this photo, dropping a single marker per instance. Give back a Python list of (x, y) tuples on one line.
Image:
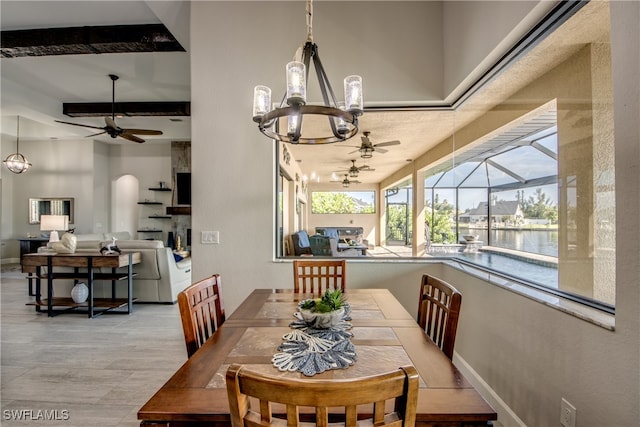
[(16, 162), (342, 117)]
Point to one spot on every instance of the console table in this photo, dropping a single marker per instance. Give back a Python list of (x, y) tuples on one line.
[(89, 263)]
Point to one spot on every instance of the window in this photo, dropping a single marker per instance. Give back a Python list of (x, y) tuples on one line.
[(343, 202)]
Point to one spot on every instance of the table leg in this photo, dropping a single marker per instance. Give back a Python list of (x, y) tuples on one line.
[(90, 285), (49, 287), (130, 285), (38, 288)]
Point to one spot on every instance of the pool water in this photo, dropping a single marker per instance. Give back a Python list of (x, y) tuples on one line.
[(540, 274)]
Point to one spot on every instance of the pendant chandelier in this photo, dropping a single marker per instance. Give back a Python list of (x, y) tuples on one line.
[(16, 162), (285, 122)]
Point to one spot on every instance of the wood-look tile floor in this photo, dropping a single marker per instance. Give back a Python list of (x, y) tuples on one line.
[(84, 372)]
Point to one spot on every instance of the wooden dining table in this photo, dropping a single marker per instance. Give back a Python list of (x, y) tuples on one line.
[(385, 337)]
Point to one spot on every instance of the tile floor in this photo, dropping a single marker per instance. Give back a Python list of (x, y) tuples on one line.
[(85, 372)]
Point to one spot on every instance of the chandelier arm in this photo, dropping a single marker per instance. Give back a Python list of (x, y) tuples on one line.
[(326, 90), (309, 13)]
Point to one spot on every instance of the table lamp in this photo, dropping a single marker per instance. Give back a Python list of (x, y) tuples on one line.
[(53, 223)]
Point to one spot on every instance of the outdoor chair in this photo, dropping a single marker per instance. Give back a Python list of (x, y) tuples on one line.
[(287, 398), (438, 312), (201, 311), (316, 276)]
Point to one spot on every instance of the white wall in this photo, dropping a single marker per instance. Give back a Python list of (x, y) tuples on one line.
[(531, 355)]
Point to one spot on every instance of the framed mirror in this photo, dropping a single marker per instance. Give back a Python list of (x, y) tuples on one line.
[(50, 206)]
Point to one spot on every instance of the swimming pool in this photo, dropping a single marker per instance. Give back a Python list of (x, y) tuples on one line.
[(544, 275)]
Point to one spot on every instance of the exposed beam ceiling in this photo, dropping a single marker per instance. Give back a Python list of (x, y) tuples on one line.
[(128, 109), (88, 40)]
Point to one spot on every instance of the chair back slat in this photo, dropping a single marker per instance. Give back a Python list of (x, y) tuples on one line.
[(283, 397), (438, 312), (319, 275), (201, 311)]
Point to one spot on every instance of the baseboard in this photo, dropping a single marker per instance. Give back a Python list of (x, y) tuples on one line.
[(506, 416), (10, 261)]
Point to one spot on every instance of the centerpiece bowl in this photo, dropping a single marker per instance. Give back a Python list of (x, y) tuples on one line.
[(322, 320), (324, 312)]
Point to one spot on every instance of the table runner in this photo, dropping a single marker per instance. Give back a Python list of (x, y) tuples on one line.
[(313, 351)]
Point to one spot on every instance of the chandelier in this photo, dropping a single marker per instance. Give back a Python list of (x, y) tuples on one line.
[(342, 118), (16, 162)]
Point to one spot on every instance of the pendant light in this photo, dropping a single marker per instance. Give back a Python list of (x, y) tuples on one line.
[(16, 162), (342, 116)]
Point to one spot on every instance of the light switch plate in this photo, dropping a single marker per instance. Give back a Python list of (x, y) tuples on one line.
[(210, 237)]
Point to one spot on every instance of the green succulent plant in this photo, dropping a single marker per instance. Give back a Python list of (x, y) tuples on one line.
[(330, 301)]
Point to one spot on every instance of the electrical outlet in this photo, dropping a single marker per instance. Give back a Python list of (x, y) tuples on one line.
[(567, 414)]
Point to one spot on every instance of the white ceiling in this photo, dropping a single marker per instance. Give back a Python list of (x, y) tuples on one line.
[(35, 87)]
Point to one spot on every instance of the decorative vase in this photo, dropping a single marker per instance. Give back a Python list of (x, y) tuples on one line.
[(79, 293)]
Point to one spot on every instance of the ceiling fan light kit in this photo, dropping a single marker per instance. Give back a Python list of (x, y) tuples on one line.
[(16, 162), (342, 117)]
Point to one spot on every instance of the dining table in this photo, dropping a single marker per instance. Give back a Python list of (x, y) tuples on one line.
[(382, 337)]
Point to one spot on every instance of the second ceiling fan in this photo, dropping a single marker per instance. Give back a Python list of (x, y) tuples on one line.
[(111, 128), (367, 148)]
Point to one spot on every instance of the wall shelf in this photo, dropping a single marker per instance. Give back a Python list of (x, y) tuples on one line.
[(149, 231), (149, 203), (160, 189), (160, 216)]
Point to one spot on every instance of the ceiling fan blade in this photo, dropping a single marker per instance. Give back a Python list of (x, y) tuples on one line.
[(96, 134), (381, 150), (366, 169), (78, 124), (131, 137), (354, 151), (142, 131), (386, 144)]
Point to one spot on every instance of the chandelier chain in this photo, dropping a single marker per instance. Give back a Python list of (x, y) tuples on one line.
[(309, 10)]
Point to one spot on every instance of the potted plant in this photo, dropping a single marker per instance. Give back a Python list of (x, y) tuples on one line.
[(323, 312)]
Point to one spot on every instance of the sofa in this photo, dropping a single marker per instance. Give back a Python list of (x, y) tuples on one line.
[(159, 277)]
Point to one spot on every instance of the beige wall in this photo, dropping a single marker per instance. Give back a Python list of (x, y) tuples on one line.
[(529, 354)]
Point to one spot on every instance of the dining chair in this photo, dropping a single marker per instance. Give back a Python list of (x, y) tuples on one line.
[(438, 312), (316, 276), (287, 398), (201, 311)]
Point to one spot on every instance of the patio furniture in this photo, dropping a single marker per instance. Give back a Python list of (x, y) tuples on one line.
[(399, 387), (438, 312), (201, 311), (316, 276), (301, 245)]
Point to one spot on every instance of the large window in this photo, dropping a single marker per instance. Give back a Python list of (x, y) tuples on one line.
[(517, 178), (343, 202)]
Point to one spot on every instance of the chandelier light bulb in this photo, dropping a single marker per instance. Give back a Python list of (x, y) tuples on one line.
[(353, 94), (292, 124), (296, 83), (261, 102)]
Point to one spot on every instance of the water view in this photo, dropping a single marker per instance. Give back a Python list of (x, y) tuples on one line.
[(543, 242)]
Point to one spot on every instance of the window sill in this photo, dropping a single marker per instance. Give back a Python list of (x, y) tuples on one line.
[(573, 308)]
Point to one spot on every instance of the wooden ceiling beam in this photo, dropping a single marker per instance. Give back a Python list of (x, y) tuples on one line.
[(88, 40), (98, 109)]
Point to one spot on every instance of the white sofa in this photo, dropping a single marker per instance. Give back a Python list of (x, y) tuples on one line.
[(158, 277)]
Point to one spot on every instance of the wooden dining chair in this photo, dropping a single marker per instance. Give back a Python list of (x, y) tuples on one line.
[(201, 311), (438, 312), (316, 276), (286, 398)]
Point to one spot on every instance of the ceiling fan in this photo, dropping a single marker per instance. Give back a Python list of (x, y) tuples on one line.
[(346, 181), (367, 148), (355, 170), (111, 128)]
